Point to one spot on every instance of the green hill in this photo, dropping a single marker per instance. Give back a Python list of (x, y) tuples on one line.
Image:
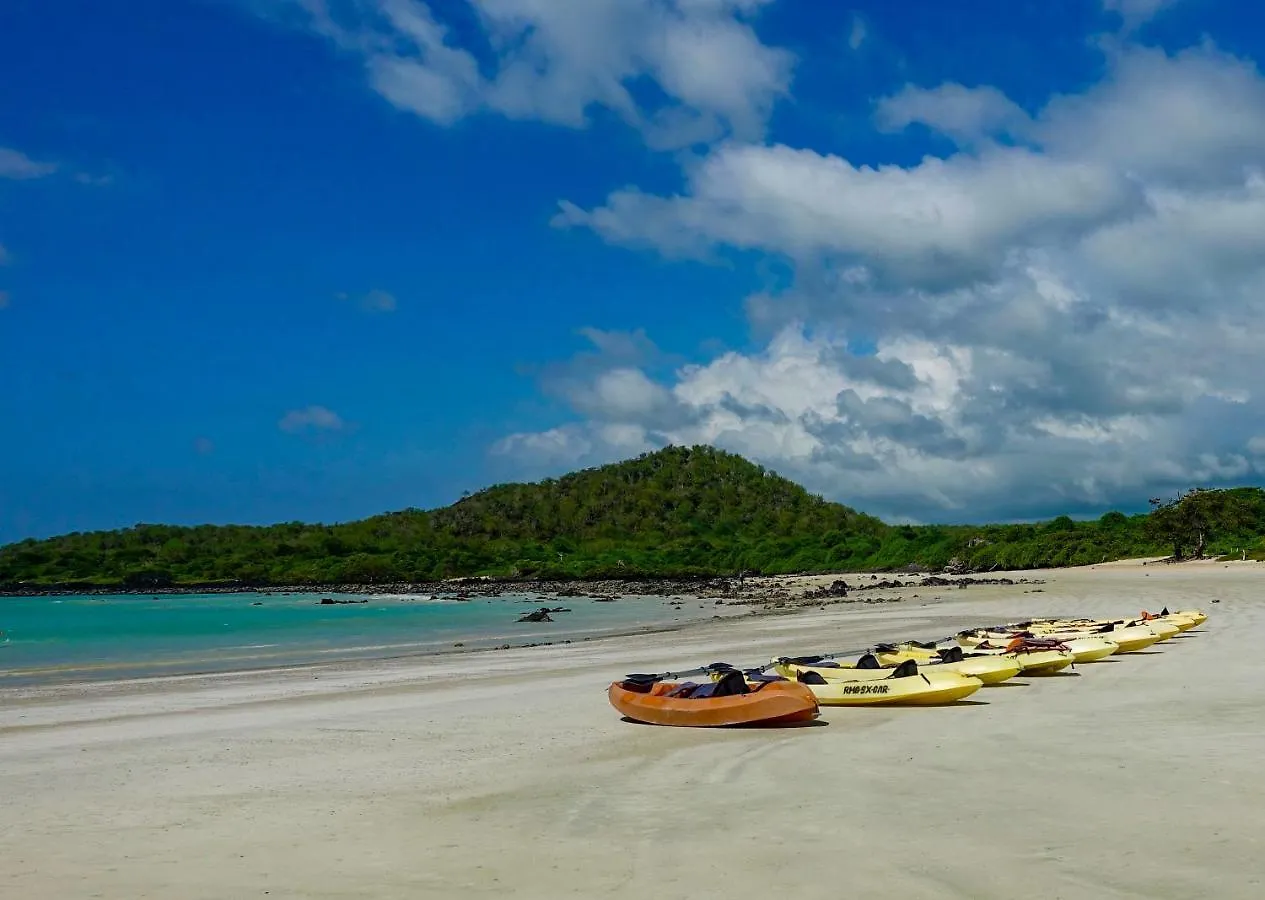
[(675, 512)]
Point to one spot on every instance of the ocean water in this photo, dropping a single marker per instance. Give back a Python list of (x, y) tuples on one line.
[(77, 638)]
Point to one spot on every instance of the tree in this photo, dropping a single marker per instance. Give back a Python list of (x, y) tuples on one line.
[(1193, 519)]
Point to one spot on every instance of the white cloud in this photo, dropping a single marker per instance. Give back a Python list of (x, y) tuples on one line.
[(1135, 12), (965, 114), (311, 419), (18, 166), (1196, 118), (940, 220), (555, 61), (1065, 321), (858, 33)]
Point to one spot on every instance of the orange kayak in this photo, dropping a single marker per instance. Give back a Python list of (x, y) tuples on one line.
[(727, 701)]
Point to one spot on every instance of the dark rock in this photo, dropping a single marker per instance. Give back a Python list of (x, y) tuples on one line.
[(539, 615)]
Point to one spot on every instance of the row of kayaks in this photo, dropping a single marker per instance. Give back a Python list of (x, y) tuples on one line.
[(910, 673)]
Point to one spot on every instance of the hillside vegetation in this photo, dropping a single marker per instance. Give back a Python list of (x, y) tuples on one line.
[(679, 511)]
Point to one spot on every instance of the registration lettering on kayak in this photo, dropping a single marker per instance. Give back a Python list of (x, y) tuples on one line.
[(866, 688)]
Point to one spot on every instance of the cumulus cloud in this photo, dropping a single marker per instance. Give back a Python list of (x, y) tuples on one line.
[(939, 222), (1064, 313), (18, 166), (556, 61), (311, 419), (965, 114)]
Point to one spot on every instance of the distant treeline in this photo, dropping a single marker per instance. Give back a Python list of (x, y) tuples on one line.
[(680, 511)]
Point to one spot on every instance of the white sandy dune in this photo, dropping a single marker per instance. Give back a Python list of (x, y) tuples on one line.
[(508, 774)]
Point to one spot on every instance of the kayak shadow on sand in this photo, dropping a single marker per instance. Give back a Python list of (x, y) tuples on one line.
[(1008, 684), (745, 726)]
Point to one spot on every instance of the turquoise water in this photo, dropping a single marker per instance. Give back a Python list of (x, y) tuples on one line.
[(103, 637)]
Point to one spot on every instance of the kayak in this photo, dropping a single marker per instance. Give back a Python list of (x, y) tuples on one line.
[(904, 685), (1198, 615), (988, 669), (1126, 638), (728, 700), (1090, 649), (1035, 657), (1183, 621)]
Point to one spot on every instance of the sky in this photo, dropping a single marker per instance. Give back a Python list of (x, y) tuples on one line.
[(276, 260)]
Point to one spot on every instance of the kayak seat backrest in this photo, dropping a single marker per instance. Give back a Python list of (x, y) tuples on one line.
[(869, 661), (809, 678), (886, 648), (924, 645), (637, 687), (731, 684), (950, 654), (907, 669), (811, 661)]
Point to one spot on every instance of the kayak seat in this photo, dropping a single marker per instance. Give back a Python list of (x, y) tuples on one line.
[(950, 654), (731, 684), (869, 661), (809, 678), (907, 669), (640, 684)]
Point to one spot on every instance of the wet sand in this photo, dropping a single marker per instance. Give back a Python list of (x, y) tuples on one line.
[(501, 773)]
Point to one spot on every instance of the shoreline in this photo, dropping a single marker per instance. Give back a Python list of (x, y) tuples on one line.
[(765, 596), (754, 588), (768, 596)]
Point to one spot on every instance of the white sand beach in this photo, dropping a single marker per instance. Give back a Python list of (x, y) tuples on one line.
[(508, 774)]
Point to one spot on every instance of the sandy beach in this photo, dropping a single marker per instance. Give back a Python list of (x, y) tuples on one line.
[(507, 773)]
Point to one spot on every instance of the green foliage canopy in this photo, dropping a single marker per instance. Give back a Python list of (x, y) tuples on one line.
[(679, 511)]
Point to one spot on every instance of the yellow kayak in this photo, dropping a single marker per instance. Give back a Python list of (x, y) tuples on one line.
[(1090, 649), (1199, 616), (904, 685), (988, 669), (1183, 621), (1033, 658), (1126, 638)]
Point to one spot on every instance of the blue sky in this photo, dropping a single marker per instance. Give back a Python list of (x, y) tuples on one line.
[(285, 259)]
